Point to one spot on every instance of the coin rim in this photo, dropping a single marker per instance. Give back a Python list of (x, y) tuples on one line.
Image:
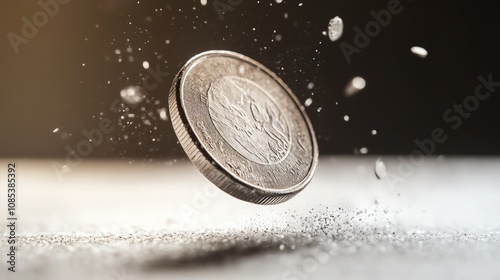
[(207, 164)]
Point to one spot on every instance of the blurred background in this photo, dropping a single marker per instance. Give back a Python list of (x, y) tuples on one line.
[(102, 69), (68, 75)]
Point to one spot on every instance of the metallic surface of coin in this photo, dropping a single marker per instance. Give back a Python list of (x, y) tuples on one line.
[(243, 127)]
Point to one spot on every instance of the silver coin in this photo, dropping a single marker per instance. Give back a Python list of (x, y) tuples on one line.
[(243, 127)]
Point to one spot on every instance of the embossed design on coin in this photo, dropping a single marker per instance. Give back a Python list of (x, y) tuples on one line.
[(249, 120), (243, 127)]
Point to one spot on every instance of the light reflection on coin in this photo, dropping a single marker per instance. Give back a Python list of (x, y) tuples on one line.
[(242, 127)]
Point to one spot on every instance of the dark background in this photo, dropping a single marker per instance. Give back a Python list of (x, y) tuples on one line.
[(45, 86)]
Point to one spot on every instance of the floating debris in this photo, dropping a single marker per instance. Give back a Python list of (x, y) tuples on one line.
[(355, 86), (133, 95), (335, 28), (419, 51), (380, 169), (163, 114)]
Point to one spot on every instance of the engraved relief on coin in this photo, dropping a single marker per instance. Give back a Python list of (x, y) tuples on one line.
[(249, 120), (243, 127)]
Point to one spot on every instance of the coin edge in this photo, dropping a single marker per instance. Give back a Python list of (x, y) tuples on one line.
[(207, 165)]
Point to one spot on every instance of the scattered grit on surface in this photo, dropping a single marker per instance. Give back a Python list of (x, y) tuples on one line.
[(105, 221), (311, 241)]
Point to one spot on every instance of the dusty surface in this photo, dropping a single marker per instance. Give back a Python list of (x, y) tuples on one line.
[(115, 220)]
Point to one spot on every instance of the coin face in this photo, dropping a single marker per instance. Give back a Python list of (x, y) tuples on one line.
[(243, 127)]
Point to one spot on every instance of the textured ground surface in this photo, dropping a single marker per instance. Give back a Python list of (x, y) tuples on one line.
[(115, 220)]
